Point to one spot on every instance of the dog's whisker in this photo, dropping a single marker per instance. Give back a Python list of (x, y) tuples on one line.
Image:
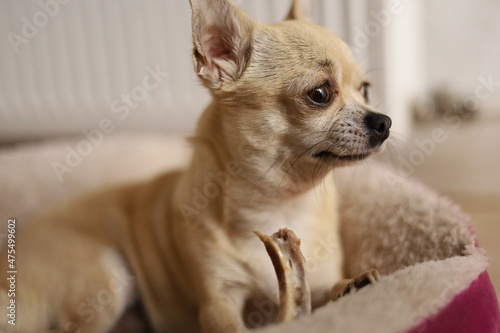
[(374, 70), (389, 152), (322, 163), (379, 104), (397, 139), (278, 161), (320, 160), (299, 157), (392, 152)]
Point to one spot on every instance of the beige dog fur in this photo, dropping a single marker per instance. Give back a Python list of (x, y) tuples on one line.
[(183, 243)]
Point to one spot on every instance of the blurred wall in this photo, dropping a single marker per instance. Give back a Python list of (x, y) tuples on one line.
[(69, 66), (463, 48)]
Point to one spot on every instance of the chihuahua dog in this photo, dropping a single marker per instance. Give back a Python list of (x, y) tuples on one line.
[(289, 105)]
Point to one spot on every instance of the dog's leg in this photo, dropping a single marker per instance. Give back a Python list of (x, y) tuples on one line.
[(348, 286), (76, 284), (222, 308), (104, 297)]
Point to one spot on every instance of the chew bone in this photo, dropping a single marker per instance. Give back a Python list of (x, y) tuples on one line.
[(284, 249)]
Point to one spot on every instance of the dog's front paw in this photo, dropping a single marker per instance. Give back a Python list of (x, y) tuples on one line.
[(348, 286)]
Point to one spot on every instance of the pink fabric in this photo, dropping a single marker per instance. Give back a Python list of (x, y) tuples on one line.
[(475, 310)]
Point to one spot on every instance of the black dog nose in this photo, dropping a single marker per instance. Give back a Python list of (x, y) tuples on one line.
[(378, 126)]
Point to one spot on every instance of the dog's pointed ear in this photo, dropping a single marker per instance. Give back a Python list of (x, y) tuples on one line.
[(300, 10), (222, 35)]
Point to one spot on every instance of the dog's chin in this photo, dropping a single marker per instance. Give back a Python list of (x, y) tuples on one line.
[(330, 156)]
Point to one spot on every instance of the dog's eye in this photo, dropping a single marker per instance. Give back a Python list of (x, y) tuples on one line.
[(364, 91), (320, 96)]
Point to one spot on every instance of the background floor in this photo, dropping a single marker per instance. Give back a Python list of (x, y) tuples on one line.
[(466, 167)]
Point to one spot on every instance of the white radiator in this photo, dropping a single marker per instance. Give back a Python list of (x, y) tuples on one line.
[(69, 65)]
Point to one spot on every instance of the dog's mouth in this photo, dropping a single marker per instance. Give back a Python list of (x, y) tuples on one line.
[(346, 158)]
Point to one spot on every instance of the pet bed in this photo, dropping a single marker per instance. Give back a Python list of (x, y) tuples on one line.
[(434, 275)]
